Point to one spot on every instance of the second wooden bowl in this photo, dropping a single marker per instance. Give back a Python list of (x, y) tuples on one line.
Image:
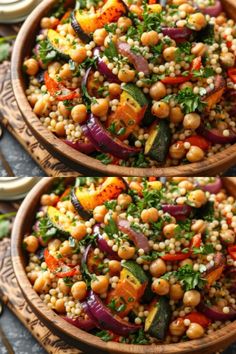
[(211, 166), (211, 343)]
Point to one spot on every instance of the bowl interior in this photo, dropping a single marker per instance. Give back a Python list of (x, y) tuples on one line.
[(24, 220), (87, 165)]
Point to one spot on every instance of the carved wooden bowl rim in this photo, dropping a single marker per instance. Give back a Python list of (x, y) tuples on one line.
[(22, 225)]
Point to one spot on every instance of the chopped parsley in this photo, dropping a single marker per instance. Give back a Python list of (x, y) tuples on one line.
[(104, 335), (104, 158), (46, 52), (46, 229), (189, 278), (204, 250), (189, 101)]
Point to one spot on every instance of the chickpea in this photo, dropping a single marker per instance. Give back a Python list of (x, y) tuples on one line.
[(42, 283), (65, 72), (176, 292), (186, 8), (161, 109), (60, 306), (177, 327), (222, 303), (191, 298), (63, 287), (160, 286), (136, 9), (191, 121), (199, 226), (124, 23), (79, 290), (126, 252), (176, 115), (109, 39), (40, 106), (110, 215), (60, 129), (79, 113), (195, 154), (114, 267), (126, 75), (54, 68), (169, 230), (197, 21), (99, 36), (149, 215), (228, 236), (136, 187), (78, 55), (157, 90), (124, 200), (46, 200), (63, 110), (178, 2), (114, 90), (149, 38), (79, 231), (65, 249), (100, 107), (195, 331), (227, 59), (157, 268), (100, 284), (220, 20), (177, 150), (169, 53), (220, 196), (186, 185), (99, 213), (31, 66), (33, 276), (199, 49), (185, 262), (54, 244), (185, 85), (31, 243), (45, 23), (197, 198)]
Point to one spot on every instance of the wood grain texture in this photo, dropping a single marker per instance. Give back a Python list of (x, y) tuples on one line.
[(220, 339), (216, 164), (12, 296), (13, 121)]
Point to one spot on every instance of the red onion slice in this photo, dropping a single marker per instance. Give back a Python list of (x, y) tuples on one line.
[(213, 187), (108, 143), (180, 212), (103, 245), (106, 319), (103, 68), (138, 61), (85, 148), (215, 313), (213, 10), (177, 34), (81, 323), (139, 239), (216, 136)]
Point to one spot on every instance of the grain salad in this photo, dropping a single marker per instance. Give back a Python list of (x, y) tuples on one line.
[(137, 83), (136, 260)]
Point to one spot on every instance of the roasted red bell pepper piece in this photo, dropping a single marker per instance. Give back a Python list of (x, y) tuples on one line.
[(196, 65), (232, 251), (197, 317), (180, 256), (197, 140), (232, 74), (58, 267), (57, 90)]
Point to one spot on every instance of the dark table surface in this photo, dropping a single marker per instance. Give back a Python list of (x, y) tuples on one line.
[(24, 343), (23, 165)]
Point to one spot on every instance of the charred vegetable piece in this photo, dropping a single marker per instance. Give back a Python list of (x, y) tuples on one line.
[(138, 61), (59, 44), (81, 211), (77, 28), (111, 12), (136, 270), (212, 97), (136, 93), (138, 238), (159, 317), (215, 313), (59, 220), (157, 145), (213, 273), (110, 189)]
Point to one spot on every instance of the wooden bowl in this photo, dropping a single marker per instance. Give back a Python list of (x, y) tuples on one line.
[(83, 340), (216, 164)]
